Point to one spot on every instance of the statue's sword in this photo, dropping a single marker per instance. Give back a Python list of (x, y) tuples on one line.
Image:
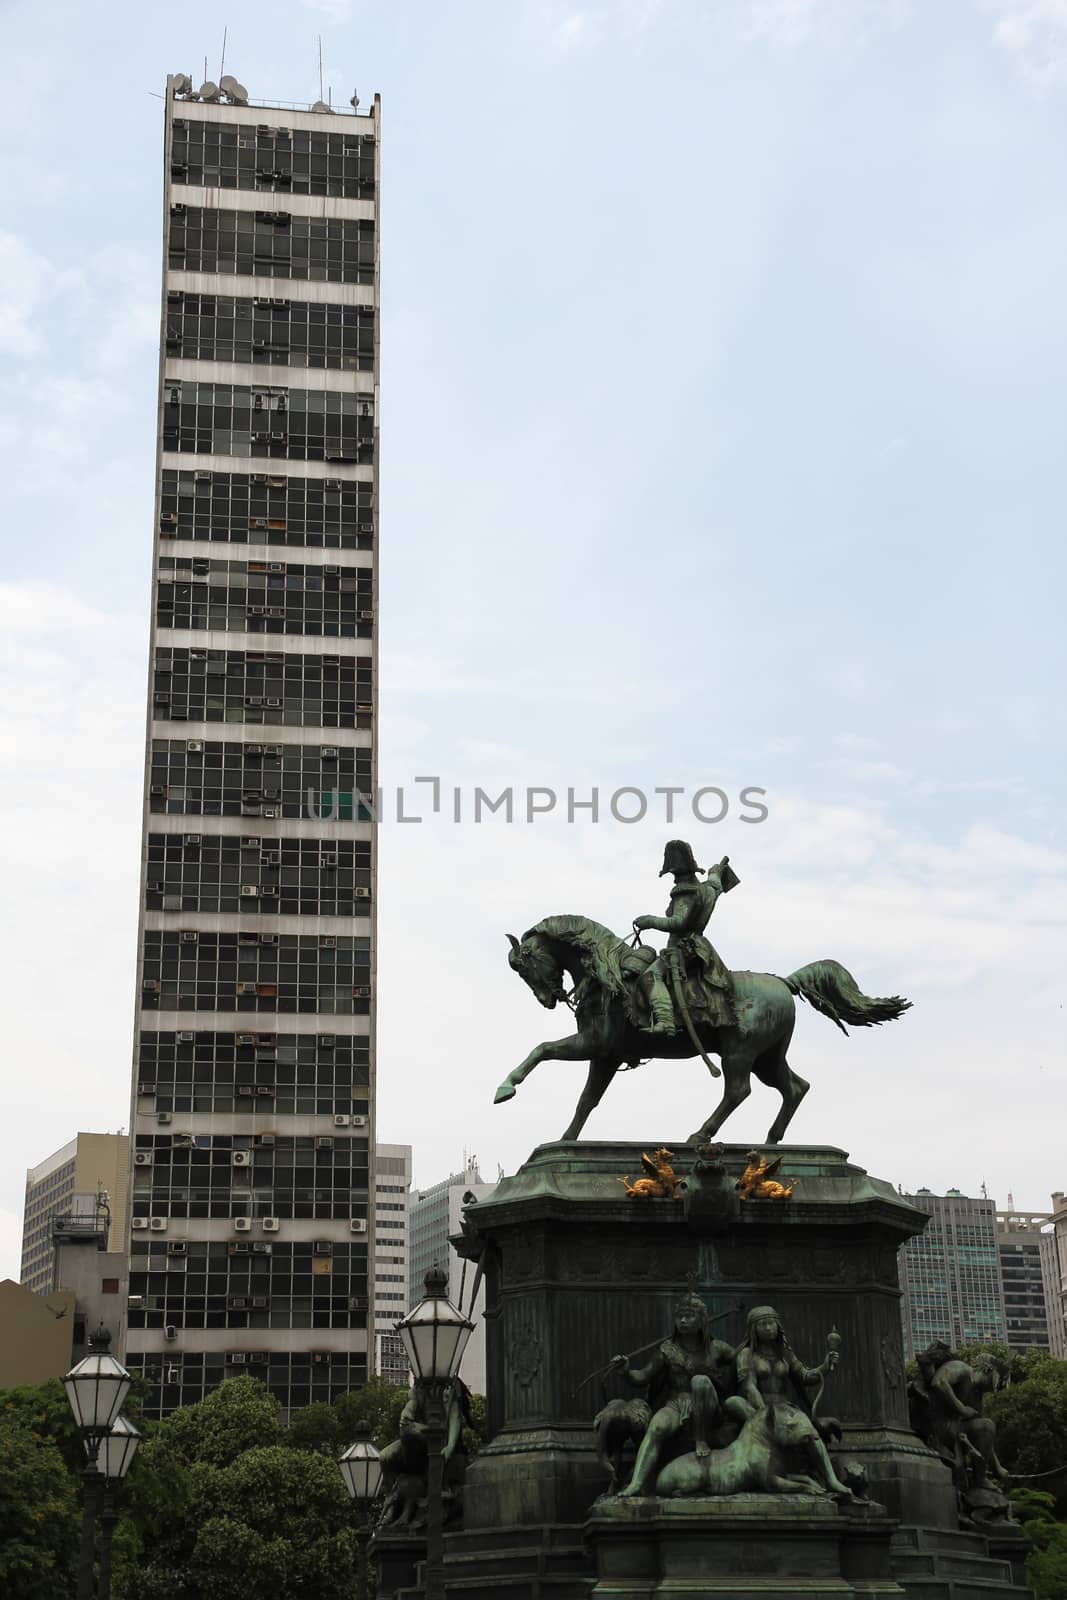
[(677, 983)]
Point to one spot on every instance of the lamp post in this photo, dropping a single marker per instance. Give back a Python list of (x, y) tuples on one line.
[(361, 1469), (96, 1389), (117, 1451), (435, 1336)]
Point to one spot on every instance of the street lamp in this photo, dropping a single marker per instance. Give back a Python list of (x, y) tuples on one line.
[(117, 1450), (96, 1389), (361, 1468), (435, 1336)]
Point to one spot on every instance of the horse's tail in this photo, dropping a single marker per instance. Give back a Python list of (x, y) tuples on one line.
[(831, 989)]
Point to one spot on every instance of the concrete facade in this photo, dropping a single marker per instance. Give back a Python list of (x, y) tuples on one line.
[(950, 1273), (1058, 1217), (392, 1197), (436, 1215), (251, 1228), (72, 1182), (1027, 1248), (35, 1334)]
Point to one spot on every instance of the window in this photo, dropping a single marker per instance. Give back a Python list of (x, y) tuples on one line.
[(294, 424), (213, 778), (278, 161), (257, 508), (265, 597), (272, 331), (270, 244)]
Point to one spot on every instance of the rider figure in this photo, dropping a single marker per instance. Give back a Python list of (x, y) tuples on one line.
[(688, 914)]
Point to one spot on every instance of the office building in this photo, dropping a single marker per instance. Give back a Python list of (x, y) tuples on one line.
[(253, 1091), (392, 1186), (436, 1215), (1027, 1248), (950, 1273), (1058, 1321), (87, 1180)]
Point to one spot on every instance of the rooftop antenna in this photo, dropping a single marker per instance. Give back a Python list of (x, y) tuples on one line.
[(222, 61), (320, 66)]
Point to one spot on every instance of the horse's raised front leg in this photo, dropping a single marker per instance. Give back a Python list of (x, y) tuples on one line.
[(601, 1072), (574, 1048)]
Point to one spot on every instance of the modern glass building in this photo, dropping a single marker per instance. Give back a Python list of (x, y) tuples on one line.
[(950, 1273), (251, 1226)]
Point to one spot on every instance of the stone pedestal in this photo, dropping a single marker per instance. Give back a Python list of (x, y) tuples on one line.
[(397, 1556), (576, 1271), (780, 1547)]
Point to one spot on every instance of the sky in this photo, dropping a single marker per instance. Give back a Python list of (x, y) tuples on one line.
[(723, 388)]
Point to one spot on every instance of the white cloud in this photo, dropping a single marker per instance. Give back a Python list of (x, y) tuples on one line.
[(571, 31), (1034, 35), (782, 23)]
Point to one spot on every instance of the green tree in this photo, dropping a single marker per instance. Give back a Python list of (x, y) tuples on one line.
[(241, 1414), (1031, 1419), (39, 1515), (44, 1409)]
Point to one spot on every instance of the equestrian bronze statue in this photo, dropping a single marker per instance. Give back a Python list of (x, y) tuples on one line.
[(632, 1004)]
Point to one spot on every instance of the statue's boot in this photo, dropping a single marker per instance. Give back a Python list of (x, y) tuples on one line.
[(659, 1004)]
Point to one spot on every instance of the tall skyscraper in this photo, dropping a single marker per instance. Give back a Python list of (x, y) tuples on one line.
[(1059, 1238), (436, 1214), (253, 1094), (1027, 1249), (72, 1183), (392, 1185), (950, 1273)]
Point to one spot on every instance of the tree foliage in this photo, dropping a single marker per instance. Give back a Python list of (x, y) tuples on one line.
[(39, 1514)]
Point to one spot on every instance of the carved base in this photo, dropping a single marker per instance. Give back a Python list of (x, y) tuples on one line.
[(777, 1547), (396, 1556)]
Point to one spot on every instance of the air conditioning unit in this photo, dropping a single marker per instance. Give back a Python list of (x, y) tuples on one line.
[(158, 1224), (267, 1141), (185, 1037), (248, 843), (138, 1224), (329, 752), (271, 1224), (268, 938), (241, 1158), (323, 1248), (143, 1158), (192, 838), (265, 1092), (146, 1088), (245, 1038), (327, 1040), (241, 1249), (249, 891), (269, 891), (258, 1249), (135, 1302), (361, 894), (361, 991), (244, 1089), (359, 1121), (342, 1120), (324, 1144), (236, 1302), (327, 942), (236, 1358), (194, 746), (242, 1224), (366, 616), (170, 1333), (188, 936), (163, 1117), (177, 1247), (320, 1358), (247, 988), (358, 1225)]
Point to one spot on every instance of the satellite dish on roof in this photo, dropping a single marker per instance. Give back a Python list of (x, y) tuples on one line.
[(320, 105), (354, 102), (235, 92), (182, 83), (210, 92)]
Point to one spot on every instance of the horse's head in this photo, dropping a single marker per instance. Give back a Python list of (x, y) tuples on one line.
[(538, 969)]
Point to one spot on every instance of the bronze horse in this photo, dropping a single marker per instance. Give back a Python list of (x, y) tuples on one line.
[(610, 1032)]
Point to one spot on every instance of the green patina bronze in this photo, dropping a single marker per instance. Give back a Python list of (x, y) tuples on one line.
[(622, 999)]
